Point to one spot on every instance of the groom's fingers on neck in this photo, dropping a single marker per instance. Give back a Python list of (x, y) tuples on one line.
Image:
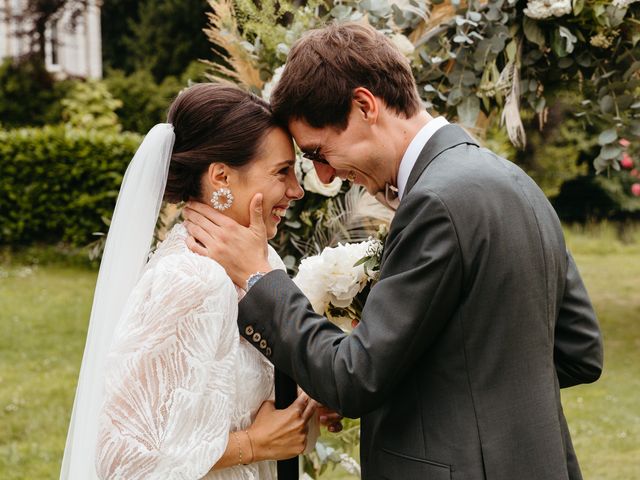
[(196, 247), (202, 236), (200, 213), (195, 219)]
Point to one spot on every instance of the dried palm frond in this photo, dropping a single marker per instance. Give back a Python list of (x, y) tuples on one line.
[(410, 7), (352, 218), (511, 112), (223, 32), (440, 14)]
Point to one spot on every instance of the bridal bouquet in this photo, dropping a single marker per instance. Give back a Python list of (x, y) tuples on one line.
[(333, 280)]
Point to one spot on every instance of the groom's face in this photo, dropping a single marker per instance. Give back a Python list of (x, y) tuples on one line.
[(354, 153)]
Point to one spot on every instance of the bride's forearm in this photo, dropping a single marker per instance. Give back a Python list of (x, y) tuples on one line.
[(239, 451)]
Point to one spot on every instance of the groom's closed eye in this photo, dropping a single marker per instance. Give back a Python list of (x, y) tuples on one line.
[(315, 156)]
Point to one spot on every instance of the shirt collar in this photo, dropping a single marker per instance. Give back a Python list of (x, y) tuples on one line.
[(413, 151)]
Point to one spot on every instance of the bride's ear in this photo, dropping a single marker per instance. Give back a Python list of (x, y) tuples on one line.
[(217, 176)]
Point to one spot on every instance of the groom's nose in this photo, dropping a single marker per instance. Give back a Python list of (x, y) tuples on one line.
[(326, 173)]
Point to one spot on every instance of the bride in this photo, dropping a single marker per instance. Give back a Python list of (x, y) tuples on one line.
[(168, 389)]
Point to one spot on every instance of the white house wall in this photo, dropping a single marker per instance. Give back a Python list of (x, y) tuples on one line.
[(79, 51)]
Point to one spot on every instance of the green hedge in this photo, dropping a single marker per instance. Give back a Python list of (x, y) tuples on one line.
[(56, 184)]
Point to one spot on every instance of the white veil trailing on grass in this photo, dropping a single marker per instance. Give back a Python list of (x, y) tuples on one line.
[(125, 255)]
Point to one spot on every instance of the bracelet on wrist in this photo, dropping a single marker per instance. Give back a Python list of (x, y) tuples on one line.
[(253, 455), (235, 435)]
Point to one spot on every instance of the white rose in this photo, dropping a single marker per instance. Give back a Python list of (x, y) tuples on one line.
[(403, 43), (345, 280), (313, 184), (311, 279), (331, 277), (541, 9)]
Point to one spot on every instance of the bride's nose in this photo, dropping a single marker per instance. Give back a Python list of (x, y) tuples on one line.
[(295, 191)]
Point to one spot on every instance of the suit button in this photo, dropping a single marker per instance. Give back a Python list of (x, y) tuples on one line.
[(263, 344), (249, 330), (256, 337), (267, 352)]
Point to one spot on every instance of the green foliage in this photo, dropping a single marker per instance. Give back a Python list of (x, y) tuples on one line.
[(57, 183), (29, 96), (162, 37), (557, 153), (90, 105), (144, 101), (590, 197), (492, 57), (118, 18), (479, 58)]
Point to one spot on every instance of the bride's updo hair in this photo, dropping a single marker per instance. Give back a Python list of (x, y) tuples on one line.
[(213, 122)]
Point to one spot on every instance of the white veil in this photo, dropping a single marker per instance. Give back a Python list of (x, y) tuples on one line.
[(125, 254)]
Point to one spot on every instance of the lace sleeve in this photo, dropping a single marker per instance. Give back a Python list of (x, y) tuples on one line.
[(169, 385)]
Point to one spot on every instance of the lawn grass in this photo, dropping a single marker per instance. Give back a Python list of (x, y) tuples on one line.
[(44, 311), (604, 418), (43, 316)]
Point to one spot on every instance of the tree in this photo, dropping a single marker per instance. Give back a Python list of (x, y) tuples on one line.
[(161, 36), (117, 19)]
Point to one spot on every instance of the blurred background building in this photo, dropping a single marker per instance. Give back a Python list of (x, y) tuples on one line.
[(72, 37)]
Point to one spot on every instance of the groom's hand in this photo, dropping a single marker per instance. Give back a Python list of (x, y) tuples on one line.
[(242, 251), (330, 419)]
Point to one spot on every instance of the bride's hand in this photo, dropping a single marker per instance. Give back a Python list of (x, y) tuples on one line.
[(281, 434)]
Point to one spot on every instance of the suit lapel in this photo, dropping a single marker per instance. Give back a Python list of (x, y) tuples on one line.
[(445, 138)]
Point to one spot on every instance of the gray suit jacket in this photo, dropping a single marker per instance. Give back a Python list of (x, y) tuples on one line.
[(478, 320)]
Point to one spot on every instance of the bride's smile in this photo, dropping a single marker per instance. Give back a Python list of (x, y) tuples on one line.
[(271, 173)]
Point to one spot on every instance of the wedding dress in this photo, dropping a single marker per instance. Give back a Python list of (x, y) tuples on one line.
[(179, 377)]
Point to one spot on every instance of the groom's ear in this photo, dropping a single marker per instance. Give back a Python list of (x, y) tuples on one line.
[(217, 175), (366, 104)]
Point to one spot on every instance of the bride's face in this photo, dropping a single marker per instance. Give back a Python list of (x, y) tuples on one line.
[(271, 173)]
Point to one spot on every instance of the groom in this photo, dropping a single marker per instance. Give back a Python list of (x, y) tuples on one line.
[(479, 316)]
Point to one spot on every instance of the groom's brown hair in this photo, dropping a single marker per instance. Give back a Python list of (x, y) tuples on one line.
[(326, 65)]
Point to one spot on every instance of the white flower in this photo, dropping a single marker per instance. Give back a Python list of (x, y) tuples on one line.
[(350, 464), (403, 43), (623, 3), (313, 184), (313, 283), (270, 85), (331, 277), (541, 9), (346, 280)]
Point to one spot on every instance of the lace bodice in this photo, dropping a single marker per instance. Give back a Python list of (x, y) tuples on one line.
[(179, 377)]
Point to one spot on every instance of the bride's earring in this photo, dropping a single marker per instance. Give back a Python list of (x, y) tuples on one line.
[(222, 199)]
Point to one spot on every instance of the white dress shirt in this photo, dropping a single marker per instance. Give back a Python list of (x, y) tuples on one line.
[(413, 151)]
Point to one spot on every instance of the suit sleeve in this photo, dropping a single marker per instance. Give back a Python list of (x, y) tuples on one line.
[(578, 350), (417, 293)]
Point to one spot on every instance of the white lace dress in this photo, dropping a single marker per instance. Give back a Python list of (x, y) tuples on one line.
[(179, 377)]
